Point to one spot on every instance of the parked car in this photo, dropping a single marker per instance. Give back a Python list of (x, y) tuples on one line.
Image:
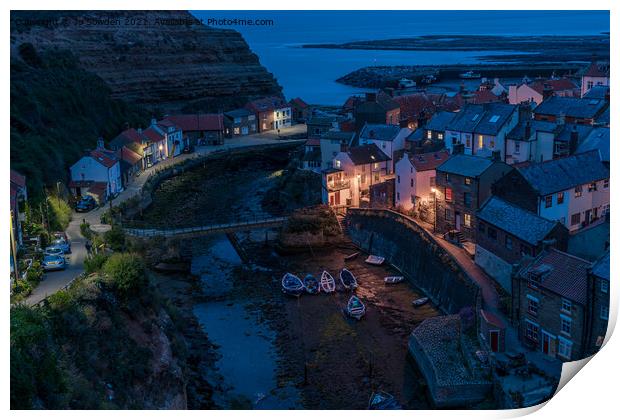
[(62, 244), (60, 235), (86, 204), (54, 262), (54, 250)]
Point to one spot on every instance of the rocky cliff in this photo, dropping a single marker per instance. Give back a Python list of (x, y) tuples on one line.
[(161, 59)]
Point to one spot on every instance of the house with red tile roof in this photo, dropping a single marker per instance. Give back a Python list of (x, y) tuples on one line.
[(540, 90), (553, 305), (301, 111), (415, 109), (173, 137), (200, 128), (272, 113), (415, 178), (131, 163), (95, 168), (597, 74)]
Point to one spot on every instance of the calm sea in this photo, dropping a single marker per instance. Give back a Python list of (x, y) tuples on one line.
[(311, 73)]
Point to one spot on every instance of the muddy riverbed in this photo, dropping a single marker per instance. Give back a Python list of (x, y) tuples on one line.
[(276, 352)]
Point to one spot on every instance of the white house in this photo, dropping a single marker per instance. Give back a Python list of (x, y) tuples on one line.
[(332, 143), (173, 136), (530, 141), (537, 91), (388, 138), (482, 129), (596, 75), (573, 190), (415, 178), (97, 167), (347, 183)]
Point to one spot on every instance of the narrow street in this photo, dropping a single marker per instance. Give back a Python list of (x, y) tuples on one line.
[(54, 281)]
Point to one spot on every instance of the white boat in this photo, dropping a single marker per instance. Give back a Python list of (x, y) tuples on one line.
[(420, 302), (355, 308), (375, 260), (405, 83), (470, 75), (328, 284), (292, 285), (347, 279), (393, 279)]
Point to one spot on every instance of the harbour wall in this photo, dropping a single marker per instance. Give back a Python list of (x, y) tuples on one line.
[(416, 254)]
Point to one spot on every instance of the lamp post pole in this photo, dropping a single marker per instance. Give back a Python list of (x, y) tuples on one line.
[(434, 211)]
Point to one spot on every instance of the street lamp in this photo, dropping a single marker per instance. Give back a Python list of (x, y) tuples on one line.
[(434, 191)]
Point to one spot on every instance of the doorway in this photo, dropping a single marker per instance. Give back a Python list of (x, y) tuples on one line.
[(494, 340)]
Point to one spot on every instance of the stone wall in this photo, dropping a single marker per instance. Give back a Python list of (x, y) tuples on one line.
[(415, 253), (495, 267)]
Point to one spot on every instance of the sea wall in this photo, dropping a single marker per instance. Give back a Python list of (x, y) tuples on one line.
[(414, 252)]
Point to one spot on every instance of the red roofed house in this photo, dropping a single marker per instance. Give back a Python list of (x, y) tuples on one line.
[(272, 113), (98, 167), (131, 163), (595, 75), (19, 196), (301, 110), (541, 90), (415, 109), (552, 303), (200, 128), (173, 143), (415, 178)]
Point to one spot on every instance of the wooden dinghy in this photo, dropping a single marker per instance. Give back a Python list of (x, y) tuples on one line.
[(383, 401), (375, 260), (292, 285), (420, 302), (393, 279), (347, 279), (355, 308), (328, 284), (311, 284), (352, 256)]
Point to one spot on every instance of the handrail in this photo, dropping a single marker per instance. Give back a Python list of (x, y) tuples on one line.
[(146, 232)]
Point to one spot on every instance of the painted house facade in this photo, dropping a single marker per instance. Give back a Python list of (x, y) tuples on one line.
[(539, 90), (347, 183), (200, 128), (332, 143), (573, 191), (301, 111), (570, 110), (98, 167), (415, 179), (390, 139), (597, 74), (376, 108), (272, 113), (240, 122), (463, 184), (173, 137), (506, 233)]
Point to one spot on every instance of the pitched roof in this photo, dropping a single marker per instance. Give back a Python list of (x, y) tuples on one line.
[(198, 122), (269, 103), (343, 136), (150, 134), (555, 84), (440, 121), (518, 132), (466, 165), (597, 139), (105, 157), (597, 92), (238, 113), (127, 136), (385, 132), (428, 161), (565, 173), (127, 155), (414, 105), (601, 267), (483, 97), (515, 220), (597, 69), (565, 132), (417, 135), (98, 188), (495, 116), (367, 153), (466, 119), (298, 102), (18, 179), (571, 107), (562, 273), (382, 100), (603, 119)]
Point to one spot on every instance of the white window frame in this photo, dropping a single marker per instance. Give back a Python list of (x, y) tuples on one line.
[(604, 312), (569, 321), (604, 286), (567, 306), (565, 348)]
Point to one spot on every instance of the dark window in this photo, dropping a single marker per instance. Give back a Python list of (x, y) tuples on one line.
[(548, 201), (481, 227), (575, 219), (492, 233), (560, 197), (578, 190), (508, 242), (448, 215), (467, 199)]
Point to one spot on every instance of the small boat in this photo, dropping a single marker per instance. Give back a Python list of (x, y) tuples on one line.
[(292, 285), (355, 308), (393, 279), (328, 284), (350, 257), (405, 83), (470, 75), (375, 260), (383, 401), (347, 279), (420, 302), (311, 284)]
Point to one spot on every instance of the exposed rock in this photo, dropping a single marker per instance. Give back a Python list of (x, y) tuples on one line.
[(172, 67)]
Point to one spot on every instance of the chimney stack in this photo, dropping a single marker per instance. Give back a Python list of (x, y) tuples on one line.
[(547, 91), (371, 97), (528, 131), (100, 144), (574, 140)]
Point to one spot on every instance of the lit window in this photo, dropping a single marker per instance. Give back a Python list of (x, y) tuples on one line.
[(567, 305), (565, 348), (578, 190), (560, 197), (467, 181), (480, 142), (429, 134), (467, 220), (448, 194), (440, 136), (337, 163)]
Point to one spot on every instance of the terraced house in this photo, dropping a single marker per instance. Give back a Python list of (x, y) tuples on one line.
[(573, 191), (570, 110)]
